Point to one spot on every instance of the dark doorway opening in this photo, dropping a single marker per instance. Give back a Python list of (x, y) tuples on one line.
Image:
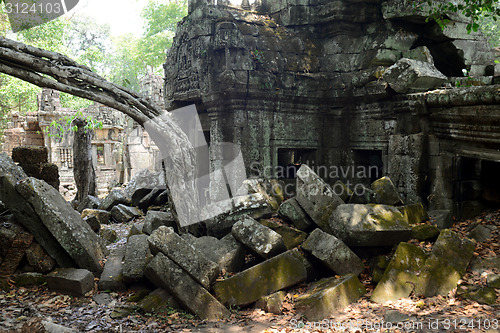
[(371, 162), (290, 160)]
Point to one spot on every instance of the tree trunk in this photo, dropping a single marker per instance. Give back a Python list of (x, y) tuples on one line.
[(83, 167), (53, 70)]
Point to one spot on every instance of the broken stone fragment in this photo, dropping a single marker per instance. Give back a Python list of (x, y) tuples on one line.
[(258, 238), (482, 295), (414, 213), (272, 303), (112, 275), (30, 279), (220, 217), (316, 197), (329, 295), (425, 232), (155, 219), (291, 237), (385, 192), (30, 154), (194, 262), (148, 199), (282, 271), (142, 183), (342, 190), (227, 252), (137, 256), (369, 225), (39, 259), (165, 273), (480, 233), (333, 253), (89, 202), (271, 189), (71, 280), (114, 198), (108, 235), (159, 301), (92, 221), (64, 223), (362, 195), (20, 243), (409, 76), (123, 214), (292, 211), (136, 229), (101, 215), (401, 275), (447, 263)]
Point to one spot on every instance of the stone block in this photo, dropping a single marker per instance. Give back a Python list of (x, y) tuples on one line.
[(15, 253), (39, 259), (291, 237), (385, 192), (480, 233), (112, 276), (282, 271), (89, 202), (333, 253), (425, 232), (102, 216), (272, 303), (155, 219), (369, 225), (414, 213), (329, 295), (258, 238), (165, 240), (123, 214), (64, 223), (159, 301), (137, 256), (227, 252), (316, 197), (271, 189), (165, 273), (441, 218), (71, 280), (144, 180), (401, 274), (92, 221), (108, 235), (148, 199), (291, 210), (114, 198), (447, 263), (30, 279), (227, 212), (408, 76), (30, 154)]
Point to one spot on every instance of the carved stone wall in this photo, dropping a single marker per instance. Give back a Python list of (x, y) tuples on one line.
[(339, 84)]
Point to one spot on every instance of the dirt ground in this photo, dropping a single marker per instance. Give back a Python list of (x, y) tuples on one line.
[(26, 307)]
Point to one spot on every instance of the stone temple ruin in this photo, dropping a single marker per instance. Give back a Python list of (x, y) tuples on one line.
[(341, 85), (120, 148), (319, 94)]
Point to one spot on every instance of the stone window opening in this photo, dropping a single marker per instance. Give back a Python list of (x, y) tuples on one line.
[(100, 155), (290, 160)]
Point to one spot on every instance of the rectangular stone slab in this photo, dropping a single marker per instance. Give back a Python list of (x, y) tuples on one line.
[(165, 273), (329, 295), (183, 254), (112, 276), (25, 214), (282, 271), (401, 274), (64, 223), (71, 280)]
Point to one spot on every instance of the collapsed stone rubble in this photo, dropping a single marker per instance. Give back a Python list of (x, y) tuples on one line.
[(260, 249)]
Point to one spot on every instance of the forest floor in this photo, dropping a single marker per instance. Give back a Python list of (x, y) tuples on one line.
[(94, 312)]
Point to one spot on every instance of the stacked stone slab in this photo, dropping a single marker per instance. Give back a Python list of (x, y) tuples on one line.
[(34, 161)]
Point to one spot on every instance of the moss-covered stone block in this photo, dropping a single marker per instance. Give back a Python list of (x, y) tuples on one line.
[(447, 263), (282, 271), (272, 303), (291, 237), (292, 211), (369, 225), (414, 213), (329, 295), (158, 301), (425, 232), (485, 295), (385, 192), (401, 274), (30, 279)]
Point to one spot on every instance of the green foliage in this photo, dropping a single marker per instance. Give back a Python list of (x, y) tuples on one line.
[(59, 127), (474, 10)]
